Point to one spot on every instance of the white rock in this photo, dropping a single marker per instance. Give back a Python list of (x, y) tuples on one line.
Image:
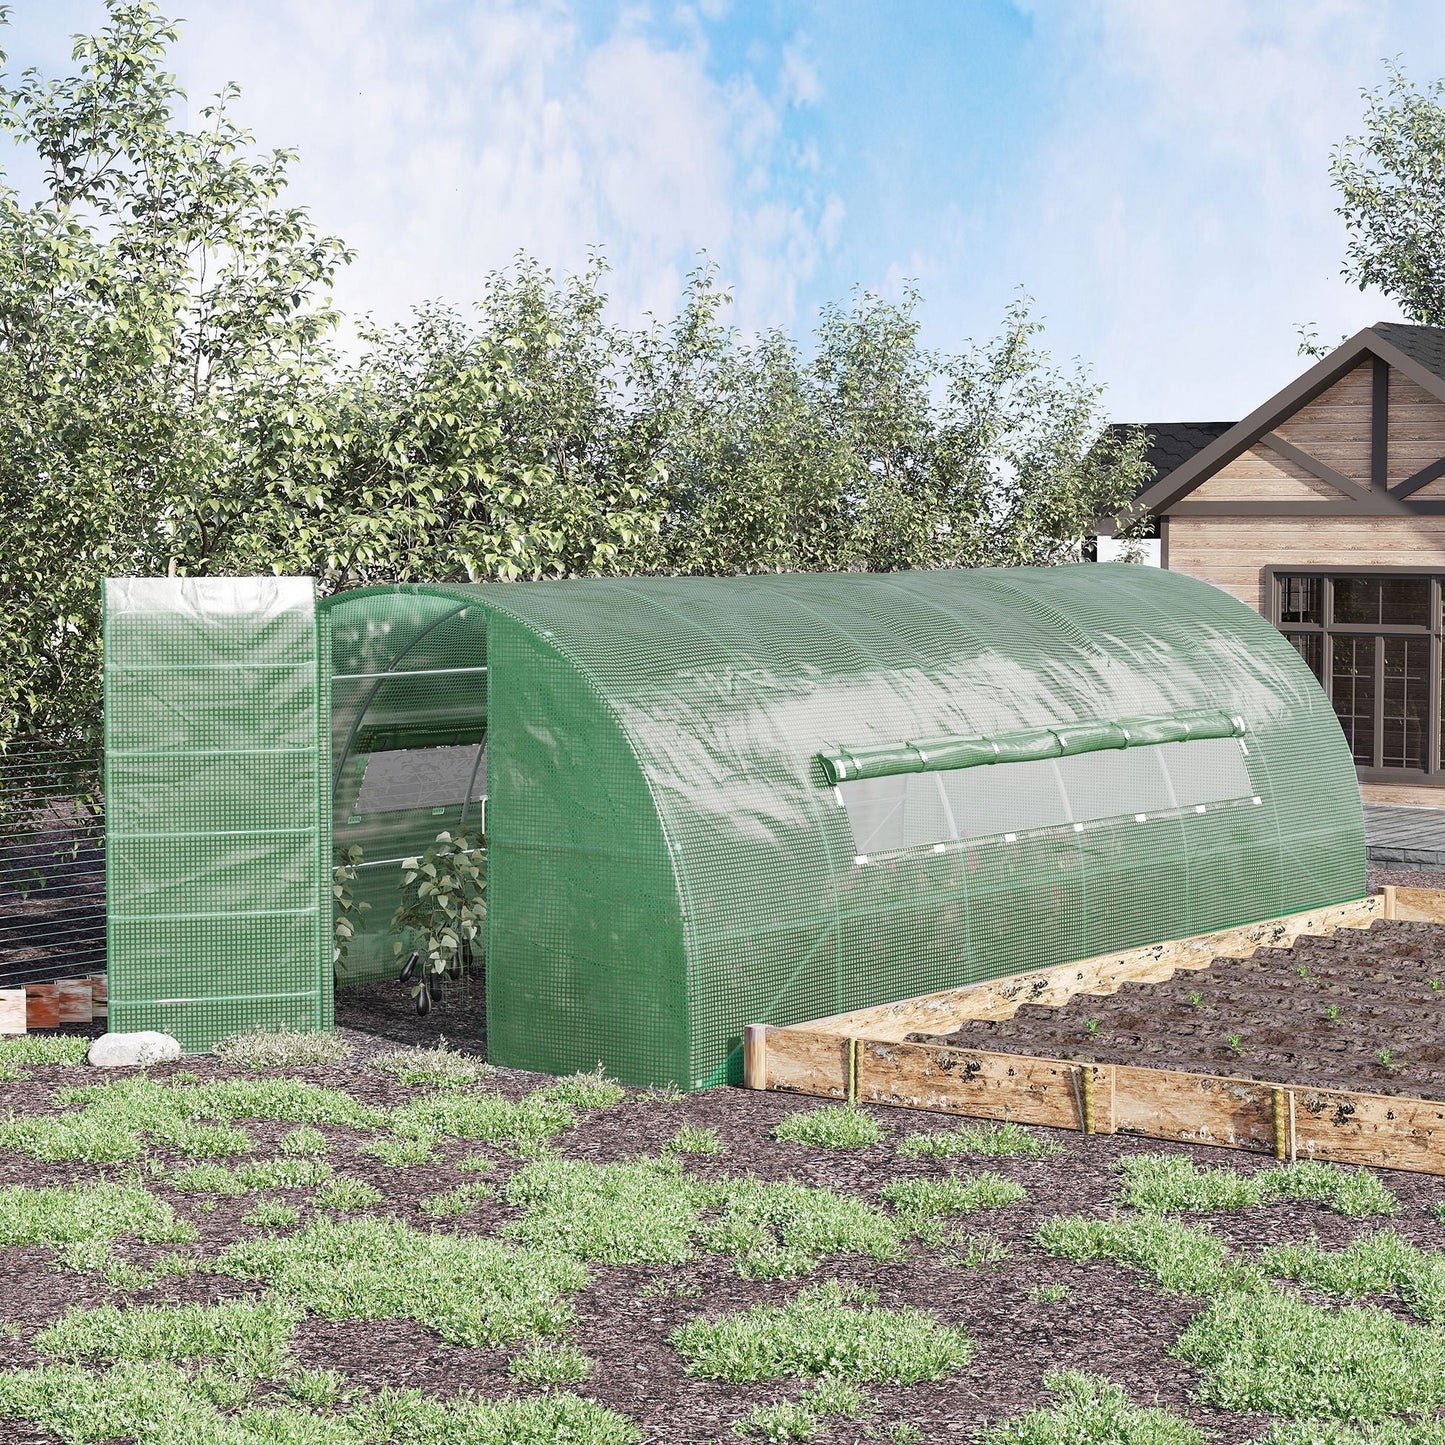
[(118, 1051)]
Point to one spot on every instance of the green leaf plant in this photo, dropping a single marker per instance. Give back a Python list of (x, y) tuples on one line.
[(443, 906)]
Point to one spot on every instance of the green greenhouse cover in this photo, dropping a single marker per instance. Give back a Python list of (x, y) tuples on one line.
[(709, 802)]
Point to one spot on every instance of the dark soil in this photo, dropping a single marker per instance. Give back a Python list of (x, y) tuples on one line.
[(1111, 1322), (1363, 1009)]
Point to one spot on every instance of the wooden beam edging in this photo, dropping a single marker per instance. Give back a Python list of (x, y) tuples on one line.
[(1285, 1121), (1104, 973)]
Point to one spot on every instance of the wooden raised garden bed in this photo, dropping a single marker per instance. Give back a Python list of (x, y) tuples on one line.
[(874, 1056)]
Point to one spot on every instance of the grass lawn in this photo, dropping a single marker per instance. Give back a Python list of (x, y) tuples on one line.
[(405, 1247)]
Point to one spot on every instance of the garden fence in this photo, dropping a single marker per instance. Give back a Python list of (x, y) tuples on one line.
[(52, 860)]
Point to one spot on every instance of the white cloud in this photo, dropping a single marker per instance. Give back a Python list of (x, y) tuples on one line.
[(799, 81), (439, 142)]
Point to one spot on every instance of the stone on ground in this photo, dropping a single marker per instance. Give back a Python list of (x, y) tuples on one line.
[(118, 1051)]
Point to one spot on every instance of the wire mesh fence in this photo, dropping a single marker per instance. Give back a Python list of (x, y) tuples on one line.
[(52, 860)]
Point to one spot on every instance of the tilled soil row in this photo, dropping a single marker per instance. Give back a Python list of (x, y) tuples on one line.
[(1363, 1009)]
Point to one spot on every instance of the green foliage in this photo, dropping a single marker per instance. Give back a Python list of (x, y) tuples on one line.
[(1276, 1353), (347, 910), (1003, 1140), (39, 1049), (347, 1195), (825, 1329), (843, 1126), (785, 1420), (91, 1215), (585, 1091), (443, 904), (1181, 1258), (159, 318), (262, 1174), (955, 1194), (156, 1403), (461, 1200), (545, 1363), (169, 401), (471, 1291), (649, 1211), (302, 1143), (402, 1153), (1174, 1181), (690, 1139), (317, 1388), (1049, 1294), (527, 1125), (242, 1337), (440, 1066), (272, 1214), (977, 1251), (1373, 1264), (1391, 184), (1092, 1411)]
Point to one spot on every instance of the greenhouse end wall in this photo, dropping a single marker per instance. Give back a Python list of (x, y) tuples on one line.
[(218, 906)]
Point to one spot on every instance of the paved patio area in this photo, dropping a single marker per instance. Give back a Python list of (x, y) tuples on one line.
[(1405, 837)]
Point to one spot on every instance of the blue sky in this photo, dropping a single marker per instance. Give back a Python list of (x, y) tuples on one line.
[(1153, 172)]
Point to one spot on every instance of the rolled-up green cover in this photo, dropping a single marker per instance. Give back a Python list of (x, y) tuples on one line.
[(840, 765)]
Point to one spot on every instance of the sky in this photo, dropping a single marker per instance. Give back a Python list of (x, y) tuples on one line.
[(1154, 173)]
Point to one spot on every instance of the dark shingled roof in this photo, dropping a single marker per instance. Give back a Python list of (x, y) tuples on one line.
[(1423, 344), (1172, 443)]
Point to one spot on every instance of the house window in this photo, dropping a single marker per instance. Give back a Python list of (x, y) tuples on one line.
[(1373, 640)]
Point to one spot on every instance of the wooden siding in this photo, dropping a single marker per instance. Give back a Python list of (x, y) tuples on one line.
[(1335, 427), (1416, 432), (1262, 475), (1232, 552)]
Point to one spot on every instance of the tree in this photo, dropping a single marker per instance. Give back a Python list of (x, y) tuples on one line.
[(1391, 182), (157, 304)]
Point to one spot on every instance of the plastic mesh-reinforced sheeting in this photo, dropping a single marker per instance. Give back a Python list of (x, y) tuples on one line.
[(217, 835), (667, 856)]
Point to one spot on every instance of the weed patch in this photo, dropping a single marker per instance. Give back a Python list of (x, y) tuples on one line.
[(1090, 1410), (544, 1363), (303, 1143), (461, 1200), (1163, 1182), (58, 1049), (83, 1220), (843, 1126), (472, 1291), (1276, 1353), (691, 1140), (825, 1329), (441, 1066), (404, 1152), (263, 1174), (526, 1125), (282, 1049), (997, 1140), (956, 1194), (1374, 1264), (348, 1196), (583, 1091), (1181, 1258)]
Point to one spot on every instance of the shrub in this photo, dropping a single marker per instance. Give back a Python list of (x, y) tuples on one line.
[(282, 1049)]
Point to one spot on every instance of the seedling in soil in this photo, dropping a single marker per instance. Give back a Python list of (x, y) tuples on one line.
[(1195, 999), (1332, 1012), (1049, 1294), (979, 1251), (1302, 970), (1092, 1026), (1385, 1058), (1236, 1043), (1434, 984)]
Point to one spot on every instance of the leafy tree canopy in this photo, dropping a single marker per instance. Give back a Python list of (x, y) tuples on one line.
[(170, 401)]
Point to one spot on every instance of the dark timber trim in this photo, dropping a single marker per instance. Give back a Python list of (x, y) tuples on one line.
[(1168, 491), (1380, 425), (1422, 478), (1345, 507), (1320, 470)]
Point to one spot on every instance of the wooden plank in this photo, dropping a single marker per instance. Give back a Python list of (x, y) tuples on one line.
[(74, 1000), (1379, 1130), (755, 1056), (12, 1010), (1194, 1108), (1000, 998), (1421, 905), (99, 995), (42, 1006), (799, 1062), (975, 1082)]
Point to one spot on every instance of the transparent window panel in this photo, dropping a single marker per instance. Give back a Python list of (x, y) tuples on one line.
[(422, 778), (1114, 782), (1005, 798), (887, 814), (1211, 770)]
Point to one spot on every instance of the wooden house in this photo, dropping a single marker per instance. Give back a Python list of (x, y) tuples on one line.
[(1325, 511)]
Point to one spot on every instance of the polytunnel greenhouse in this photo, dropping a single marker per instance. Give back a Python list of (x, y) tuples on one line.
[(706, 802)]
